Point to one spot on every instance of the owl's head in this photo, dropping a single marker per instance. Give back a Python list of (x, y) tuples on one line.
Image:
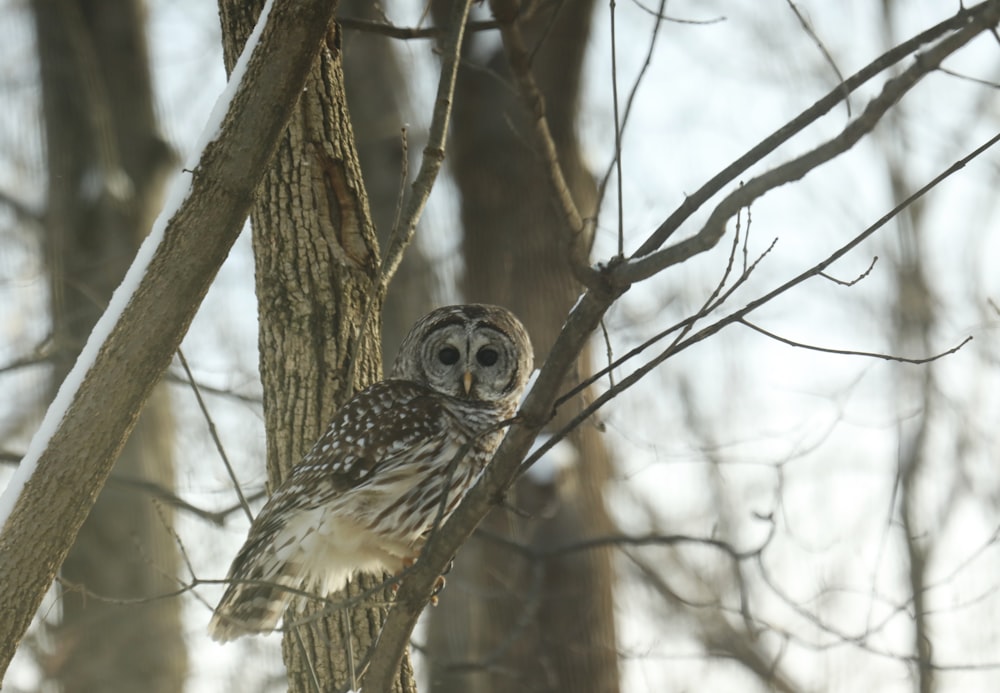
[(473, 351)]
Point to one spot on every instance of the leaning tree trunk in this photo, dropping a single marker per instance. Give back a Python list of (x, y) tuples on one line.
[(507, 623), (106, 166), (316, 257)]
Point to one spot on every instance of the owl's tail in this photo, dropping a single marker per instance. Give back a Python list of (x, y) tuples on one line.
[(251, 607)]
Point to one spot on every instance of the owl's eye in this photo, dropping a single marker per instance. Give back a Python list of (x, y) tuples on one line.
[(448, 356), (487, 356)]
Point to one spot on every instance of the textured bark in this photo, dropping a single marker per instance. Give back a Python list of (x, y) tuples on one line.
[(89, 430), (106, 166), (507, 623), (316, 259)]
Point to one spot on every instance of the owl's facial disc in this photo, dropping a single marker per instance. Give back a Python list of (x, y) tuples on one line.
[(470, 360)]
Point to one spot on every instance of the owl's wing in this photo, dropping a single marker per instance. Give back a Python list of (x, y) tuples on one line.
[(372, 430)]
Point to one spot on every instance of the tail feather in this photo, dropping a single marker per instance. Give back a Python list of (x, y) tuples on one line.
[(247, 608)]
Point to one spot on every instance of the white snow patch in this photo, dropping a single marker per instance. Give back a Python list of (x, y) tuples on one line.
[(561, 456), (179, 190), (528, 385), (218, 114)]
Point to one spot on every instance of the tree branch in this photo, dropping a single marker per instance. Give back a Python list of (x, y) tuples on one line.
[(893, 90), (984, 13)]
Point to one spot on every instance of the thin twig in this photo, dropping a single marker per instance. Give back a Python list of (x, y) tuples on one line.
[(620, 127), (807, 27), (215, 436), (617, 124), (854, 281), (437, 137), (853, 352)]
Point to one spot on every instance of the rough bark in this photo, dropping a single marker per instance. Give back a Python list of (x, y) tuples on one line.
[(93, 420), (106, 166), (507, 623), (316, 259)]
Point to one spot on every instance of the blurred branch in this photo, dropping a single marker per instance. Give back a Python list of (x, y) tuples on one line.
[(519, 59), (629, 541), (720, 637), (661, 16), (213, 390), (807, 27), (157, 491), (21, 209)]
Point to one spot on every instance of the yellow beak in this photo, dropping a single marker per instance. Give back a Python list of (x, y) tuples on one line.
[(467, 381)]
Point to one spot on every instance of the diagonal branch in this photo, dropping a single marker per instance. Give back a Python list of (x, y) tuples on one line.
[(893, 90), (984, 13), (68, 462), (415, 591)]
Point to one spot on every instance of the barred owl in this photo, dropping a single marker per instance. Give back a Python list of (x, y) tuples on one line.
[(372, 487)]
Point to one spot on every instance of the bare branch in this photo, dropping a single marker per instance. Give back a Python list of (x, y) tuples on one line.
[(984, 12), (853, 281), (451, 52), (807, 27), (157, 491), (620, 126), (213, 431), (893, 90), (851, 352)]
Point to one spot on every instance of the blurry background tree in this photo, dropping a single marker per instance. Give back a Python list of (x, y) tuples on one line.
[(870, 485), (510, 621), (106, 167)]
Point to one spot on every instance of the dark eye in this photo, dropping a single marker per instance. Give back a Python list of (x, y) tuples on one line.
[(448, 356), (487, 356)]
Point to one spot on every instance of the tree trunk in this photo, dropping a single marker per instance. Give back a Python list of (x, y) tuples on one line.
[(106, 167), (507, 623), (316, 258)]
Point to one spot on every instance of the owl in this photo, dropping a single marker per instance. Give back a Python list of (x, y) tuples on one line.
[(396, 459)]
